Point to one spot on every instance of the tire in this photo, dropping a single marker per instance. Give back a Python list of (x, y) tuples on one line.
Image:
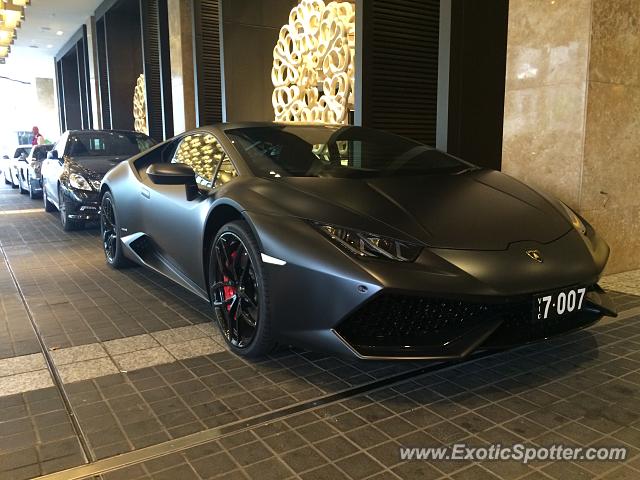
[(32, 194), (23, 191), (48, 206), (6, 181), (68, 224), (251, 293), (115, 258)]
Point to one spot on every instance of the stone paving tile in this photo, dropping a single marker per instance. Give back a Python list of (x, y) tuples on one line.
[(130, 344), (22, 364), (627, 282), (78, 354), (36, 436), (194, 348), (143, 358), (25, 382), (86, 369)]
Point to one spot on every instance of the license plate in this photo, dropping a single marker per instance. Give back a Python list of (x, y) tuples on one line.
[(558, 304)]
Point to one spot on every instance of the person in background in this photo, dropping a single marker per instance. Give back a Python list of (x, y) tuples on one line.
[(38, 139)]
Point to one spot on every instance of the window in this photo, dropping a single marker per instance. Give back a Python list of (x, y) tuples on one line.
[(107, 144), (40, 152), (203, 153), (226, 172), (22, 151), (337, 152)]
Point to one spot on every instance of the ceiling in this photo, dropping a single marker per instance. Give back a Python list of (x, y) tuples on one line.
[(48, 25)]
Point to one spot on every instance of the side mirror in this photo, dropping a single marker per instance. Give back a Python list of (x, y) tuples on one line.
[(174, 174), (53, 154), (5, 157)]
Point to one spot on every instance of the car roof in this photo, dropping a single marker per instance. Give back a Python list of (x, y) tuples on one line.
[(234, 125), (88, 130)]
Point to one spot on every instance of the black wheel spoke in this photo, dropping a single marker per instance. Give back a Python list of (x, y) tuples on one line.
[(234, 290), (108, 227)]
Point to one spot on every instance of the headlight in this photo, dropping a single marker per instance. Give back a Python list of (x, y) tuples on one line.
[(365, 244), (79, 182), (575, 220), (95, 184)]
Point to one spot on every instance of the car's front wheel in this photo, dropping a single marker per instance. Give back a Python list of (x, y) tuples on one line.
[(48, 206), (32, 194), (238, 290), (22, 189), (110, 234), (68, 224)]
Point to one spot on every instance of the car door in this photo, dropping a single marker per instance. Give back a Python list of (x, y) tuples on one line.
[(52, 169), (175, 224)]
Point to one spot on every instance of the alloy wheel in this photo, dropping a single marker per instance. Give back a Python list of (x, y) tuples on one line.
[(235, 291), (108, 229), (62, 208)]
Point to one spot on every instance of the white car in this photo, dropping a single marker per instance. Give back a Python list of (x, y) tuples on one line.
[(10, 167)]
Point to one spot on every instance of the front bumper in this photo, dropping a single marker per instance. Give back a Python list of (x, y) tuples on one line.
[(82, 206), (445, 305), (403, 326)]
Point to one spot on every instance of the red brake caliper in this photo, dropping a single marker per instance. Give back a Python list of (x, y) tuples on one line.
[(228, 290)]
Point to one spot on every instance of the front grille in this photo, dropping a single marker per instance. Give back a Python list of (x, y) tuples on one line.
[(396, 324)]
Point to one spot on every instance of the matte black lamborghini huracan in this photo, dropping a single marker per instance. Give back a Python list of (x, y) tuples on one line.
[(352, 241)]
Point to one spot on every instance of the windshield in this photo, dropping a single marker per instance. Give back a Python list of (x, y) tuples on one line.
[(22, 151), (40, 152), (347, 152), (107, 144)]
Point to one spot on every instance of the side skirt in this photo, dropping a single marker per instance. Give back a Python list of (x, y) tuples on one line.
[(139, 248)]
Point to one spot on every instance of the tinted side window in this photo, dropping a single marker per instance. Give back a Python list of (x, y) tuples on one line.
[(202, 152)]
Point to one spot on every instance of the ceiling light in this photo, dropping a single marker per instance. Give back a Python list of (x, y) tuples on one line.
[(21, 3), (59, 33), (10, 15), (6, 37), (4, 51), (49, 46)]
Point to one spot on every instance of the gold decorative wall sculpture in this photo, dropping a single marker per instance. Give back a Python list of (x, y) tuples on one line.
[(313, 64), (140, 107)]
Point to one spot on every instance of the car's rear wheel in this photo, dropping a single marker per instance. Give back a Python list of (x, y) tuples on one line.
[(68, 224), (110, 234), (48, 206), (239, 291)]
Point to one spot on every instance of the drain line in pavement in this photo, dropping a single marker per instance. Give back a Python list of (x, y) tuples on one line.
[(199, 438), (55, 375)]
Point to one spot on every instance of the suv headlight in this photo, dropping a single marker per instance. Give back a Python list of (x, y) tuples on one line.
[(575, 220), (363, 244), (79, 182)]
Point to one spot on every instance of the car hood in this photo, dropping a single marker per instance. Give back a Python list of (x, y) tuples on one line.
[(477, 210), (93, 167)]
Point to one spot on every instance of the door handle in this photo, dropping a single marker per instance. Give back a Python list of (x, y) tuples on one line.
[(145, 193)]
